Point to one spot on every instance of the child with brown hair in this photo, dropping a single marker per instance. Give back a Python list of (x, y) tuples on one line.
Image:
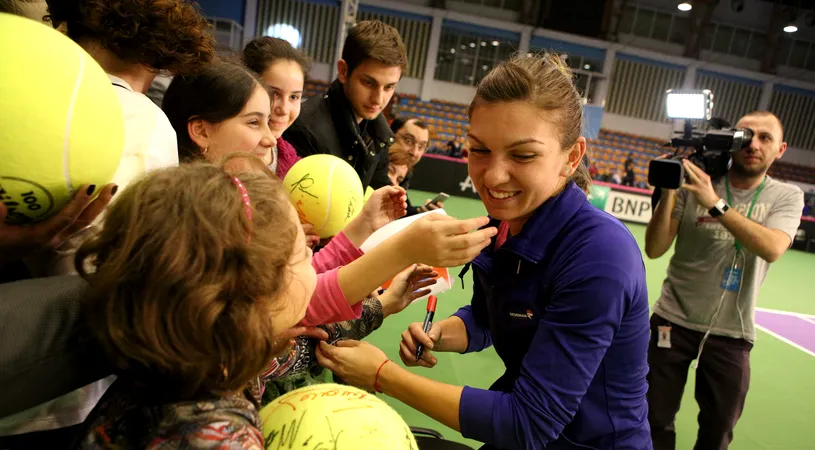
[(191, 310)]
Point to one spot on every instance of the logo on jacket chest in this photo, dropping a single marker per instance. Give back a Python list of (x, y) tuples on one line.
[(524, 315)]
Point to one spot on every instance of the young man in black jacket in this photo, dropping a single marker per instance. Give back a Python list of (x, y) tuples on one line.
[(347, 121)]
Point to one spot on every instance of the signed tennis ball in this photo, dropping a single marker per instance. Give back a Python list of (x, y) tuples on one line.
[(61, 128), (326, 191), (336, 417), (369, 191)]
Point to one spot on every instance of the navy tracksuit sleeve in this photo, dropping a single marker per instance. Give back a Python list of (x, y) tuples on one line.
[(589, 297)]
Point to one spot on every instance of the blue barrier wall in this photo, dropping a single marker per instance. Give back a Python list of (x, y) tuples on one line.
[(592, 118), (226, 9)]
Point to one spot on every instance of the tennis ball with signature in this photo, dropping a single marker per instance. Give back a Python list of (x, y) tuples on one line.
[(330, 416), (326, 191)]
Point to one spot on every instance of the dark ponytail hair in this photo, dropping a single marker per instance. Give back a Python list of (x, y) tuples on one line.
[(216, 94), (260, 53)]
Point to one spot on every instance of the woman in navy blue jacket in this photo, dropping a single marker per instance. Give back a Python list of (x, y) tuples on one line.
[(560, 293)]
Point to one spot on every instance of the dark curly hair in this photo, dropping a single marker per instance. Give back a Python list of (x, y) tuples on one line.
[(166, 35), (261, 52)]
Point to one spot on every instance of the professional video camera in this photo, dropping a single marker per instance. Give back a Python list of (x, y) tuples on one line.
[(711, 147)]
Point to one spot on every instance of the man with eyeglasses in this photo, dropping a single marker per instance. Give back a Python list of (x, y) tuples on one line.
[(412, 140)]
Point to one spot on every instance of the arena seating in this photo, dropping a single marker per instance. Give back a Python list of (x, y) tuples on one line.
[(448, 122), (793, 172), (314, 88), (445, 121), (611, 148)]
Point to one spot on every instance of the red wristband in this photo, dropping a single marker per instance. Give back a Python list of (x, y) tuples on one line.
[(377, 387)]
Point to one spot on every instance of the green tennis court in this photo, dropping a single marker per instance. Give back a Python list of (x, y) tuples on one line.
[(780, 411)]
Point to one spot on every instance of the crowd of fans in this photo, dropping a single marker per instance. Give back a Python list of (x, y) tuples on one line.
[(190, 279), (196, 285)]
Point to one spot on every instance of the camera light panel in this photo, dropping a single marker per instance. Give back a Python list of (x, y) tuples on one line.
[(689, 104)]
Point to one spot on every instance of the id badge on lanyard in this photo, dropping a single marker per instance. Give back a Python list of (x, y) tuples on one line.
[(731, 280)]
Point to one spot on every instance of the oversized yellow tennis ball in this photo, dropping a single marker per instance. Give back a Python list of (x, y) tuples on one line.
[(369, 191), (335, 417), (62, 122), (326, 191)]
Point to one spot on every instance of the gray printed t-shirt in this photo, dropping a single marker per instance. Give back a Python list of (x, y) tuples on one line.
[(705, 249)]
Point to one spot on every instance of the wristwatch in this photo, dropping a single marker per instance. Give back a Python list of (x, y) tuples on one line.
[(718, 209)]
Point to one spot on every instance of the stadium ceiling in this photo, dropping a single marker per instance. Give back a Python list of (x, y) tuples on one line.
[(802, 11), (794, 3)]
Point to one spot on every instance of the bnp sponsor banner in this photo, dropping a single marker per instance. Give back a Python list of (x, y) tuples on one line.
[(626, 206)]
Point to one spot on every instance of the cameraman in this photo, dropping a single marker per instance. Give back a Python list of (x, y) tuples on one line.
[(728, 232)]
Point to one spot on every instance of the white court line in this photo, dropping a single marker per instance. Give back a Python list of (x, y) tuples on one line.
[(782, 338), (809, 319), (785, 313)]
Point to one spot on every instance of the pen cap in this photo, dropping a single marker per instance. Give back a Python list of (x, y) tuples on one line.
[(431, 303)]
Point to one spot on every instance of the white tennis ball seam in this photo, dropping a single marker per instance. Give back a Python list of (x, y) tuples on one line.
[(66, 146), (328, 211)]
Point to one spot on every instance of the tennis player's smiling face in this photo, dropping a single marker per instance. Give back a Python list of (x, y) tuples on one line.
[(516, 162)]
